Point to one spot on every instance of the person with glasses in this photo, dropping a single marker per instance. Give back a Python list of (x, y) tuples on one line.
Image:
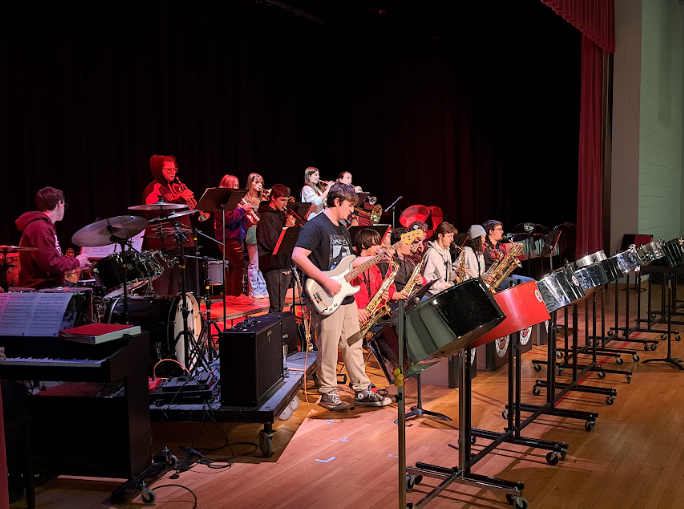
[(164, 171), (494, 250), (46, 267)]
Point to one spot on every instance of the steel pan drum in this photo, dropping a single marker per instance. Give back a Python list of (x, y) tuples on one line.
[(590, 259), (673, 253), (612, 269), (559, 289), (439, 327), (523, 306), (650, 252), (627, 260), (591, 276)]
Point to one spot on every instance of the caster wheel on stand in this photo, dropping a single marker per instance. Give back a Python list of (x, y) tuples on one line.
[(412, 480), (552, 458), (629, 379), (610, 400), (589, 425), (518, 502), (619, 361), (537, 367), (601, 375), (504, 414), (559, 354), (536, 390), (148, 496), (635, 357), (266, 444), (654, 346)]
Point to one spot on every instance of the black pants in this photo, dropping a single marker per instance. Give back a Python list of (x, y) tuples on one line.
[(235, 271), (277, 282)]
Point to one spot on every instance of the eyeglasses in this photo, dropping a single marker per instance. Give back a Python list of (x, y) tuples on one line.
[(174, 170), (498, 229)]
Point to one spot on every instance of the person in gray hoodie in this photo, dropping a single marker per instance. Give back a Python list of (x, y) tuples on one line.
[(438, 266)]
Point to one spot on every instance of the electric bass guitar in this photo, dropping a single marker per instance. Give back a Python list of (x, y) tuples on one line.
[(325, 303)]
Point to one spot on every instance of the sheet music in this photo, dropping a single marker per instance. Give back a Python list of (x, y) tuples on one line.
[(32, 314), (99, 252)]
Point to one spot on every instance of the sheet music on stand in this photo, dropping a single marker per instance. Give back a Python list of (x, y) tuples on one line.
[(213, 198), (96, 253), (34, 313)]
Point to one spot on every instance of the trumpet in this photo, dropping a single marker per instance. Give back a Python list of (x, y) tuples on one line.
[(368, 218), (192, 203), (251, 215)]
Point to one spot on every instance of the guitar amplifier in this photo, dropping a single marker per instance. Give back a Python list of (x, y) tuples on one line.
[(251, 356)]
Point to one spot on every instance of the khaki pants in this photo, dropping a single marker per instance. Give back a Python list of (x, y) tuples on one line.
[(341, 329)]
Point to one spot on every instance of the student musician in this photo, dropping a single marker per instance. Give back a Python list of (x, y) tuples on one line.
[(346, 178), (405, 260), (322, 244), (472, 259), (276, 268), (438, 266), (257, 285), (46, 267), (494, 250), (314, 191)]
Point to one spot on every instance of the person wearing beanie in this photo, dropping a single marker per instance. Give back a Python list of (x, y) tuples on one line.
[(472, 257), (164, 171)]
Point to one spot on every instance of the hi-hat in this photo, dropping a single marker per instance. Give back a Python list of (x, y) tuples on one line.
[(159, 206), (15, 249), (171, 217), (100, 232)]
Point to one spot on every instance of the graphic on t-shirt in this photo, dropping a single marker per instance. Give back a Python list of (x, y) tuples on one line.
[(339, 248)]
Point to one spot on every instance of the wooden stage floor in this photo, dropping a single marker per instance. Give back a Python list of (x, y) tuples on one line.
[(634, 457)]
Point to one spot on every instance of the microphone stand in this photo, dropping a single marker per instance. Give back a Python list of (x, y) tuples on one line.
[(393, 209)]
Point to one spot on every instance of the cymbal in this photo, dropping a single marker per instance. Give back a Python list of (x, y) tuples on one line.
[(99, 233), (160, 205), (414, 213), (15, 249), (171, 217)]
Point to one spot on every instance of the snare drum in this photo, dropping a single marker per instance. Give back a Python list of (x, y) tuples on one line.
[(109, 272), (163, 317), (216, 272)]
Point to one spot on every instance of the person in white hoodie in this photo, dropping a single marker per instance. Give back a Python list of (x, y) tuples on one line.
[(438, 266)]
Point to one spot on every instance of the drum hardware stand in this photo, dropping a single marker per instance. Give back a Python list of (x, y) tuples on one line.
[(549, 408), (393, 208), (626, 330), (418, 410), (466, 460), (207, 320), (192, 348), (123, 243), (511, 433), (669, 273)]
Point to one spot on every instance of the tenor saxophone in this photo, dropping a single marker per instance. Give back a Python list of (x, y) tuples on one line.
[(501, 269), (376, 308)]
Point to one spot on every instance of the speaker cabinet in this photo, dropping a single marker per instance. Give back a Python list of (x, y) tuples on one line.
[(289, 331), (251, 356)]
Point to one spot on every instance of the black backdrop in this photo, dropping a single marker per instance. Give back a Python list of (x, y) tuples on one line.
[(472, 106)]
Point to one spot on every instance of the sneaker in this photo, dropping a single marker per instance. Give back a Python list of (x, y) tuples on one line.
[(367, 397), (230, 300), (331, 400)]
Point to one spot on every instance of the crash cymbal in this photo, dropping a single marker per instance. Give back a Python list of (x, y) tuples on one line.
[(100, 232), (15, 249), (171, 217), (414, 213), (160, 205)]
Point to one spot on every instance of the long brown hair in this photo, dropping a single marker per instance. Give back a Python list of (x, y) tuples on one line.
[(250, 179), (230, 182), (307, 179)]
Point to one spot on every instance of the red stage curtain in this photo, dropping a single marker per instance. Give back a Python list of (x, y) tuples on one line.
[(590, 178), (594, 18)]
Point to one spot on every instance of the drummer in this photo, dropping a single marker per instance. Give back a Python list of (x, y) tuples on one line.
[(45, 267)]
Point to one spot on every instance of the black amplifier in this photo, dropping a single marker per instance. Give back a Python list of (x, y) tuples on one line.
[(251, 355)]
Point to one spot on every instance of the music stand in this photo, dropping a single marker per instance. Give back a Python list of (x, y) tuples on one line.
[(301, 208), (550, 243), (285, 245), (380, 228), (460, 239), (217, 199), (362, 197)]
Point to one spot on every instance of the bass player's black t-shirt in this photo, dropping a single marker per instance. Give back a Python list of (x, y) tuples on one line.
[(328, 244)]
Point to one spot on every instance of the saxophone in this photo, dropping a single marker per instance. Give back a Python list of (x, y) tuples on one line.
[(376, 309), (461, 270), (410, 287), (502, 268)]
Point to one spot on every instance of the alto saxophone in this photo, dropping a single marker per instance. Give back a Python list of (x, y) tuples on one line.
[(411, 284), (502, 268), (376, 308)]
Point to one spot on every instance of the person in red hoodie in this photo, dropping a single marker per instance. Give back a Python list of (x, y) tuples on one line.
[(46, 267)]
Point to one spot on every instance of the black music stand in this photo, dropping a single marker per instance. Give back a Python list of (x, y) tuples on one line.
[(301, 208), (460, 239), (285, 245), (217, 199), (550, 243), (362, 197), (380, 228)]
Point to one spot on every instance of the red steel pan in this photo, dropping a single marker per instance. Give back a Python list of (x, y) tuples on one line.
[(523, 306)]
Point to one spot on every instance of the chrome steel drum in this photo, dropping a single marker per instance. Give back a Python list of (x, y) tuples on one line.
[(590, 259), (440, 326), (612, 269), (627, 260), (673, 253), (650, 252), (385, 348), (559, 289), (591, 276), (162, 316)]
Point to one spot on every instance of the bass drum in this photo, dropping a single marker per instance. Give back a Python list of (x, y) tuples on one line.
[(162, 317)]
